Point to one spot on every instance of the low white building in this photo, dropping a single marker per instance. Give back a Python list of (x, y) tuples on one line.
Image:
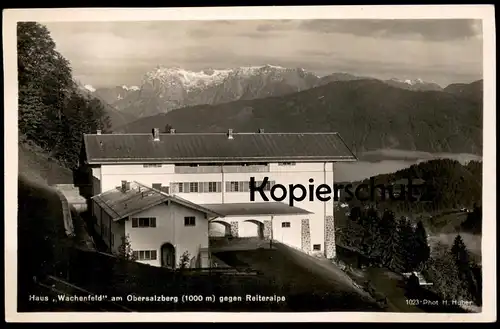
[(213, 171), (158, 227)]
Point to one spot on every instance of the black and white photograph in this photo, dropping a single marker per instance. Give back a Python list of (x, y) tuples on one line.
[(275, 163)]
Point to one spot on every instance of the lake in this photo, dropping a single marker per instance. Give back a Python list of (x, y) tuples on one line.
[(388, 161)]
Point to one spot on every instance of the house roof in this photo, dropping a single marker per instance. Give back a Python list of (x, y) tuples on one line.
[(216, 147), (119, 204), (254, 209)]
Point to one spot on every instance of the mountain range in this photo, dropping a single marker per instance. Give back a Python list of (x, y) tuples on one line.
[(166, 88), (369, 114)]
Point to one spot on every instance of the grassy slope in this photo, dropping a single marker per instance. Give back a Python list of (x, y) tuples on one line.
[(37, 167), (307, 285)]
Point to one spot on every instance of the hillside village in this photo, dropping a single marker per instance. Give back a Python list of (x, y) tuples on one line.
[(158, 203)]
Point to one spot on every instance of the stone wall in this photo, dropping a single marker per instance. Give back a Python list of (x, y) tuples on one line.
[(305, 235), (267, 229), (329, 237), (234, 229)]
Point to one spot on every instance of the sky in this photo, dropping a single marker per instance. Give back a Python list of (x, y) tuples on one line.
[(106, 54)]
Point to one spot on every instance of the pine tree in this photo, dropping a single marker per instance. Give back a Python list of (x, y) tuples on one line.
[(422, 249), (391, 256), (442, 272), (125, 249), (406, 243), (184, 260), (370, 244), (461, 258)]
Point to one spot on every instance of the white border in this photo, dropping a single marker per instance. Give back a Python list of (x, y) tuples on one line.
[(483, 12)]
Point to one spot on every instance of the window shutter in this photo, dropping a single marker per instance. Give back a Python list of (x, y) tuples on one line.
[(153, 222)]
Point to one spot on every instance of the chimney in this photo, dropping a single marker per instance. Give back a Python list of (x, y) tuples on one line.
[(156, 134), (172, 130), (98, 131), (261, 130), (124, 186), (230, 134)]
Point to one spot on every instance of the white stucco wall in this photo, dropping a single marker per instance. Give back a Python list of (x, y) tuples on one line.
[(96, 180), (248, 228), (300, 173), (169, 229)]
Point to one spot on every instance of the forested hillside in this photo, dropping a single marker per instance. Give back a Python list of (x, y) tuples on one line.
[(53, 112), (446, 184), (368, 114)]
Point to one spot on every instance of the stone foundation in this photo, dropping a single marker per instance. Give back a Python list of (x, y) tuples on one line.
[(234, 229), (329, 237), (305, 232), (267, 229)]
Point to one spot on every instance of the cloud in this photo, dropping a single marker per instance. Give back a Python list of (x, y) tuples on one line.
[(115, 53), (278, 25), (431, 29), (200, 33)]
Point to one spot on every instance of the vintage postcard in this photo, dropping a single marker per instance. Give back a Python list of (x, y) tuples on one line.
[(250, 164)]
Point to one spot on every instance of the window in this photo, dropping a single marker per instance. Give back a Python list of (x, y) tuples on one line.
[(268, 186), (193, 187), (165, 189), (145, 254), (286, 164), (316, 247), (189, 221), (212, 187), (157, 186), (144, 222), (152, 165), (244, 186), (285, 224), (196, 187)]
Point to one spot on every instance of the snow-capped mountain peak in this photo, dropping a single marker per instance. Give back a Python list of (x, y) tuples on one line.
[(133, 88), (172, 76), (194, 80), (414, 82), (89, 88)]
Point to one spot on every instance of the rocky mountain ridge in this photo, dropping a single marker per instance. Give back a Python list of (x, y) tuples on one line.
[(166, 88)]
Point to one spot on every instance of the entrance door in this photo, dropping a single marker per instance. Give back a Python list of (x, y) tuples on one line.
[(168, 255)]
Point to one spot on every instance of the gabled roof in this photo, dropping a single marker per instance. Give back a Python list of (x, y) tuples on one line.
[(119, 204), (216, 147)]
